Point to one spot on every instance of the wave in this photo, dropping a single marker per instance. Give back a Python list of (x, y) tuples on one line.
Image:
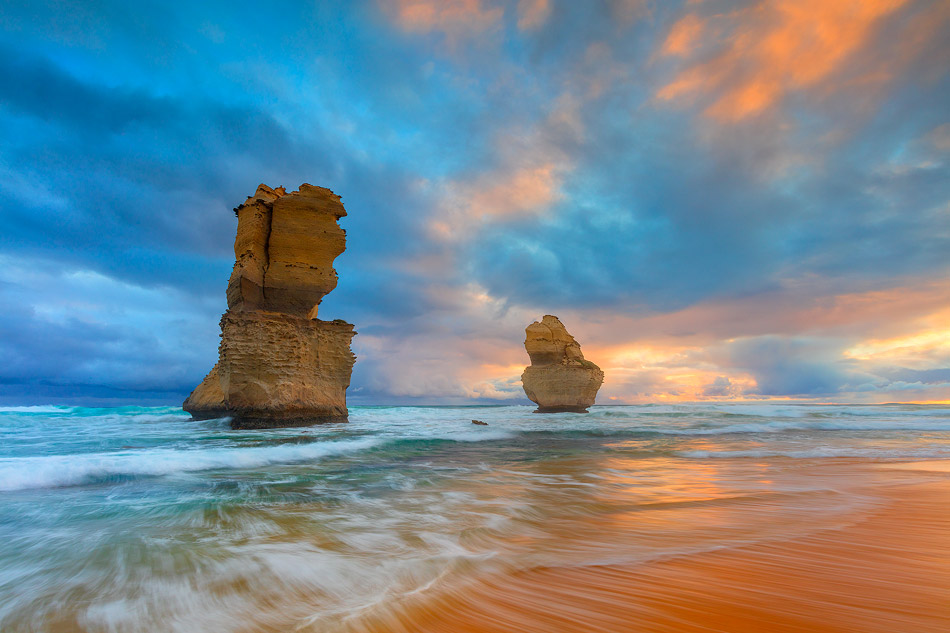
[(824, 452), (814, 425), (171, 416), (740, 410), (474, 435), (21, 473), (614, 430), (41, 408), (53, 471)]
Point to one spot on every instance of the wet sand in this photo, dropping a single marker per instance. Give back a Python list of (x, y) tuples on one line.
[(886, 571)]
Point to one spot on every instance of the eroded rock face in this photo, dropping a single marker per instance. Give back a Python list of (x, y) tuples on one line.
[(559, 378), (278, 364)]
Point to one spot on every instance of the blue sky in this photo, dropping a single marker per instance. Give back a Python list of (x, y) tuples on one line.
[(721, 200)]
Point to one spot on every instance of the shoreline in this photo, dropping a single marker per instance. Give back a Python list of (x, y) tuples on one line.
[(887, 570), (414, 520)]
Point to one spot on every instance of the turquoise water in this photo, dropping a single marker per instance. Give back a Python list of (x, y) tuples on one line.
[(140, 519)]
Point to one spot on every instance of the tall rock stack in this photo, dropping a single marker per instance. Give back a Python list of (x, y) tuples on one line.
[(559, 379), (278, 364)]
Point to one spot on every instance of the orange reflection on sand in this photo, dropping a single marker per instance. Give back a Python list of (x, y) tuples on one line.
[(884, 573), (680, 481)]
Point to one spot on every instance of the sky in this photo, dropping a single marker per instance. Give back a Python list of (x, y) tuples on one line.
[(742, 200)]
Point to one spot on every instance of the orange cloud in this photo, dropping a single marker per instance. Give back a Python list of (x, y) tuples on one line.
[(925, 347), (678, 356), (532, 13), (940, 137), (525, 181), (452, 17), (667, 373), (801, 308), (683, 36), (768, 51), (472, 347), (524, 191)]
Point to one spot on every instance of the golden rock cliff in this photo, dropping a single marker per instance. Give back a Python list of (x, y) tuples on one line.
[(559, 378), (279, 365)]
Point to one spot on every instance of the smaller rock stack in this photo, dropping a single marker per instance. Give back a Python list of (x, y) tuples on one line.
[(559, 379)]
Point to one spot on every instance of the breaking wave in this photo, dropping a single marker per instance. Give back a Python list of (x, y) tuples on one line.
[(49, 408), (20, 473)]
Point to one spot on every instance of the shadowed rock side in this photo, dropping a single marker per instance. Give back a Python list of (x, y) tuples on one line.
[(559, 378), (279, 365)]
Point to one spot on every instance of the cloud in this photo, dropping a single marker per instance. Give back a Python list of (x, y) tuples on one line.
[(789, 366), (452, 18), (721, 387), (467, 343), (755, 56), (789, 200), (67, 329), (524, 191), (126, 174), (683, 35), (532, 13), (926, 348), (940, 137)]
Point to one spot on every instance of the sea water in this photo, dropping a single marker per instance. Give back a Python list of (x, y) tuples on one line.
[(141, 519)]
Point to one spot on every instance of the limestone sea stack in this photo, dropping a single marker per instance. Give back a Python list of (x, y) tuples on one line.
[(559, 378), (278, 364)]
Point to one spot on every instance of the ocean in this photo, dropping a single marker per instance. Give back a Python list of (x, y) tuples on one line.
[(141, 519)]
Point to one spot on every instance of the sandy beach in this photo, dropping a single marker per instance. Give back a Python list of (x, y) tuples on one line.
[(887, 570)]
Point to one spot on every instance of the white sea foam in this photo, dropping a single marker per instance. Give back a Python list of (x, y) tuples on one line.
[(19, 473), (473, 436), (762, 410), (44, 408), (144, 418)]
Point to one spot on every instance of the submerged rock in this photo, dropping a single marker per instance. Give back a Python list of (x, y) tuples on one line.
[(559, 378), (278, 364)]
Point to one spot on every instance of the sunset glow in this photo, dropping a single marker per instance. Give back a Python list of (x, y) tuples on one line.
[(721, 201)]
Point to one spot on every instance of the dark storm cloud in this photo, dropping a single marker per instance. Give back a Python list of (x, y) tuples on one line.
[(790, 367), (140, 187), (118, 181)]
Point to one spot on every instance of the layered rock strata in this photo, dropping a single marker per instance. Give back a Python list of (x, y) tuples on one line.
[(278, 364), (559, 378)]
